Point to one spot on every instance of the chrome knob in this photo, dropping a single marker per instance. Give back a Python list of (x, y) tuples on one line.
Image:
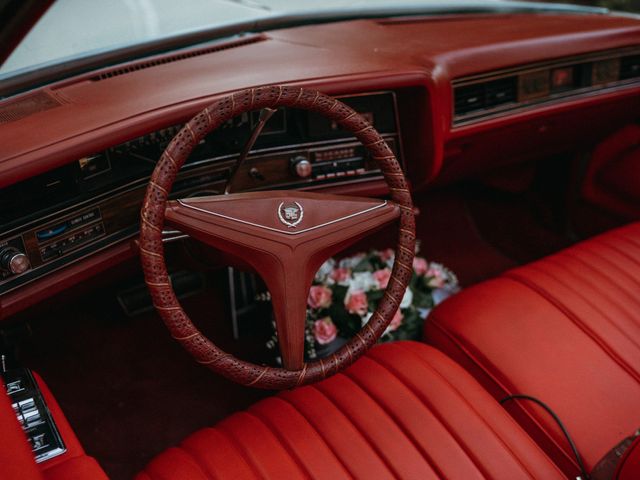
[(14, 261), (302, 167)]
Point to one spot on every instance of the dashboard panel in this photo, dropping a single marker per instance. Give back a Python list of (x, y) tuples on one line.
[(75, 154), (498, 93), (84, 207)]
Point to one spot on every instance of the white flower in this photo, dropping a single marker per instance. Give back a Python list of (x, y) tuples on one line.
[(441, 294), (327, 267), (407, 299), (352, 262), (443, 273), (363, 281)]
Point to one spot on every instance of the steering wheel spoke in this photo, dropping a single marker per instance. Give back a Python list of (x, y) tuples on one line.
[(285, 236), (279, 222)]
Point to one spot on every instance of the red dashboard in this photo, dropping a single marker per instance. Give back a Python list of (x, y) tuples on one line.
[(416, 62)]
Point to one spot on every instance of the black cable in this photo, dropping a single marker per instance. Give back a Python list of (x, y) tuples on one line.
[(583, 470)]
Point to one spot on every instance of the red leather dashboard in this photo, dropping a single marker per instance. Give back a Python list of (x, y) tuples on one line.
[(95, 111)]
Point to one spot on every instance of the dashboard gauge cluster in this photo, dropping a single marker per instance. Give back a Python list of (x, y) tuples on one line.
[(93, 202)]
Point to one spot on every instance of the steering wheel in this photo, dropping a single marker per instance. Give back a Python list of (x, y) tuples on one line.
[(284, 235)]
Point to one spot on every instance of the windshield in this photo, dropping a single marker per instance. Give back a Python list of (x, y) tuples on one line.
[(73, 29)]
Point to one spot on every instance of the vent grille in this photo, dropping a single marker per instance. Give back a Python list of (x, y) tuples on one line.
[(480, 96), (469, 98), (176, 58), (495, 93), (630, 67), (23, 107)]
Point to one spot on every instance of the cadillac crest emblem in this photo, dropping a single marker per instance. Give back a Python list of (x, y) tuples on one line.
[(290, 213)]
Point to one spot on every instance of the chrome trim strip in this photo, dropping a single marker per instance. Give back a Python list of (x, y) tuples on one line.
[(285, 232)]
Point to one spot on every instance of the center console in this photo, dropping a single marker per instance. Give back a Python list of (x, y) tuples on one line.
[(33, 414)]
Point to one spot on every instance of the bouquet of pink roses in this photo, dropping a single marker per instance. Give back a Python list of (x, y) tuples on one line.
[(345, 294)]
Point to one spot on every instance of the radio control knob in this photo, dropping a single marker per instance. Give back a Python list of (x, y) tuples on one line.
[(14, 261), (302, 167)]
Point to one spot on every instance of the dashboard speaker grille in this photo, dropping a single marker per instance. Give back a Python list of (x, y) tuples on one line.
[(27, 105), (134, 67)]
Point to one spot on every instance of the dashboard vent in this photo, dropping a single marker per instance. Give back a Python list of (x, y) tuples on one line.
[(134, 67), (27, 105), (485, 95), (469, 98), (493, 94), (630, 67)]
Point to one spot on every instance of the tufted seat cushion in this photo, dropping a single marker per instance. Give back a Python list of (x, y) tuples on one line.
[(403, 411), (565, 329)]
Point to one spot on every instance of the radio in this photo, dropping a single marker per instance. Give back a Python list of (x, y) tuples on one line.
[(310, 165)]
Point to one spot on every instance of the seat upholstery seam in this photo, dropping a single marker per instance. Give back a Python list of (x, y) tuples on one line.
[(311, 426), (554, 300), (196, 462), (550, 298), (588, 251), (461, 344), (320, 435), (621, 251), (619, 285), (625, 238), (439, 418), (284, 446), (238, 447), (364, 437), (568, 272), (472, 408), (425, 455)]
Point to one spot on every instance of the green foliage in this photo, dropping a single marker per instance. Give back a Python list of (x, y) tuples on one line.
[(331, 321)]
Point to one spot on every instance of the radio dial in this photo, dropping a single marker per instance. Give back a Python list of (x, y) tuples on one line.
[(14, 261), (302, 167)]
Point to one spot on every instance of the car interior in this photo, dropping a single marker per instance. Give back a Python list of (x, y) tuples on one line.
[(168, 200)]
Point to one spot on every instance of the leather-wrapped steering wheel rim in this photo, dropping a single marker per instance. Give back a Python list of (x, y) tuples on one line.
[(153, 220)]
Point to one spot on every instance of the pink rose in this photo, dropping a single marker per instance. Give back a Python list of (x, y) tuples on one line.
[(382, 276), (319, 297), (420, 265), (340, 275), (396, 321), (324, 331), (356, 302), (436, 278), (387, 254)]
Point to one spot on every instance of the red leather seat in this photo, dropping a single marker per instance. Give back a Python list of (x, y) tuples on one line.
[(403, 411), (566, 330)]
